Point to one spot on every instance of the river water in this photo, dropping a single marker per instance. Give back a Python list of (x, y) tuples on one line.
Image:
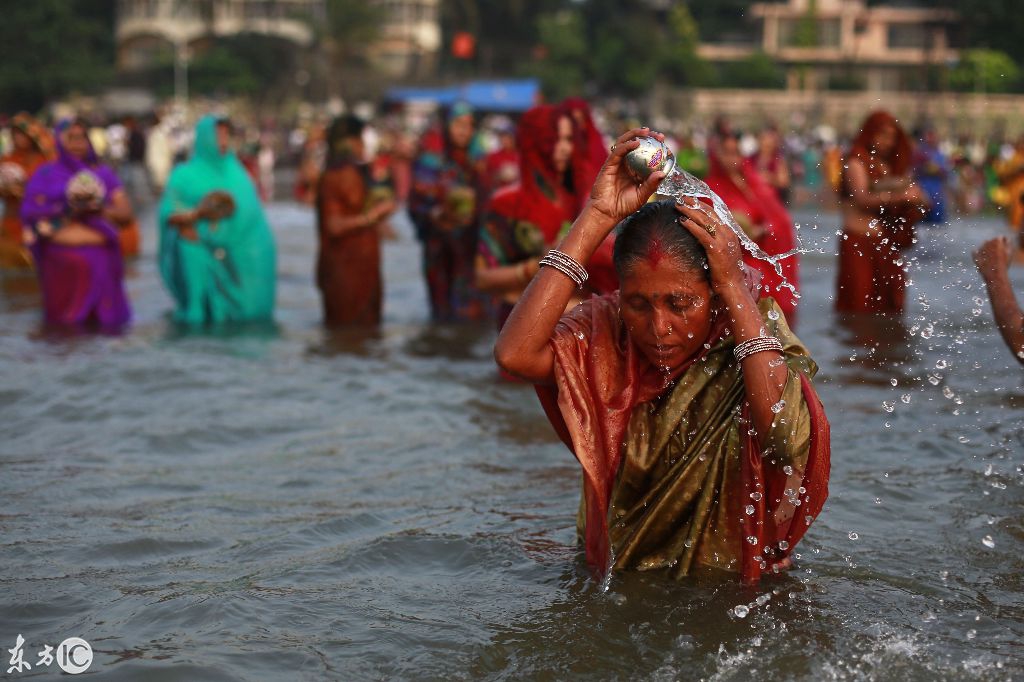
[(289, 504)]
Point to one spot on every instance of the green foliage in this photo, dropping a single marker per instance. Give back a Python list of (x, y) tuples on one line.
[(984, 71), (52, 48), (807, 27), (562, 64), (352, 24), (599, 46), (756, 71)]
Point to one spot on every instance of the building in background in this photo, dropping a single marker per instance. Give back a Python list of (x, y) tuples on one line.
[(410, 39), (847, 45)]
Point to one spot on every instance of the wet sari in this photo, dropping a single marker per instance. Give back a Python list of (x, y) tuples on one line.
[(23, 163), (80, 284), (673, 479), (348, 271), (228, 274)]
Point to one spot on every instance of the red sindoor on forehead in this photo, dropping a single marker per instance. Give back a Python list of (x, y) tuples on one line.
[(656, 252)]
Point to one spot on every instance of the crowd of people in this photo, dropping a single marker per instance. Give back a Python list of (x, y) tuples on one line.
[(605, 299)]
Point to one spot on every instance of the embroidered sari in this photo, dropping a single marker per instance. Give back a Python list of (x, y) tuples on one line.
[(673, 479), (228, 274), (80, 284), (446, 176)]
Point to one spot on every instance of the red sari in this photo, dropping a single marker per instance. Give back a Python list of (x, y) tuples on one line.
[(871, 277), (760, 202)]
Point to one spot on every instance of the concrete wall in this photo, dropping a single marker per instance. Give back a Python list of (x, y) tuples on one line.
[(977, 114)]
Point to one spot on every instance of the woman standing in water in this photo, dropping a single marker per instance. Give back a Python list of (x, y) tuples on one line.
[(444, 206), (687, 402), (880, 206), (33, 146), (72, 206), (217, 253), (757, 208), (522, 222), (349, 218)]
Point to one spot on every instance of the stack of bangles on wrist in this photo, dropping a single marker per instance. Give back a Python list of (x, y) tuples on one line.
[(567, 265), (760, 344)]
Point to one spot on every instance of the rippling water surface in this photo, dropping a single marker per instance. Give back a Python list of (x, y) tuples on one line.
[(289, 504)]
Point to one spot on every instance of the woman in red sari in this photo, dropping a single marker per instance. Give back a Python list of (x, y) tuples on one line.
[(688, 403), (33, 146), (756, 207), (521, 222), (349, 216), (880, 206)]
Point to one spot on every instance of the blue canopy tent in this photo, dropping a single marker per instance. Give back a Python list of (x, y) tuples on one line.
[(506, 96)]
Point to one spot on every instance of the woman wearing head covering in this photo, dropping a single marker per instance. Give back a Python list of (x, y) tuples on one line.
[(688, 403), (520, 223), (444, 207), (589, 149), (33, 146), (757, 208), (71, 206), (351, 207), (880, 206), (217, 253)]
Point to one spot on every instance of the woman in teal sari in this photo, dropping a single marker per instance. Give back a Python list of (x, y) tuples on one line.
[(217, 253)]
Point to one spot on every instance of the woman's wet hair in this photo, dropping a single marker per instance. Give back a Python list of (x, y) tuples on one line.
[(653, 233)]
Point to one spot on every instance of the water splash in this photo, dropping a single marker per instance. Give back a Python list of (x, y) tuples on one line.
[(679, 184)]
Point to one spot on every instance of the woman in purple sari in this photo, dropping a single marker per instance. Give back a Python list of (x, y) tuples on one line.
[(72, 205)]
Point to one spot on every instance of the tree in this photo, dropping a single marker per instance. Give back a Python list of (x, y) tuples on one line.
[(53, 48), (562, 54), (984, 71)]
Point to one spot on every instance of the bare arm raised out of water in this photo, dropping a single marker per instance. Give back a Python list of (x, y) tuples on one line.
[(993, 261), (522, 347)]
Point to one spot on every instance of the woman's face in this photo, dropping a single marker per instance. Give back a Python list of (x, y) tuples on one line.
[(223, 137), (76, 142), (885, 139), (729, 155), (21, 141), (460, 130), (667, 310), (562, 153)]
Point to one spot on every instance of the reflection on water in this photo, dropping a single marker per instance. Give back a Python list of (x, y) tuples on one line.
[(298, 503)]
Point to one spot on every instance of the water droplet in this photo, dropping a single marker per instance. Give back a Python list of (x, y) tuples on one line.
[(905, 398), (749, 510), (740, 610), (788, 470), (988, 469), (853, 535), (888, 406), (988, 542), (971, 634), (773, 314), (934, 379), (756, 497), (779, 406), (783, 545), (941, 364), (893, 382), (580, 336), (752, 539), (947, 391)]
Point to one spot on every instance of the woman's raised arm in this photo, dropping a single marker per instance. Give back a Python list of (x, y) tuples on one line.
[(522, 348)]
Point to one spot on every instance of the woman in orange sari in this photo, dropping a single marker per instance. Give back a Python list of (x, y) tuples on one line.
[(349, 217), (687, 402), (880, 206), (33, 146)]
